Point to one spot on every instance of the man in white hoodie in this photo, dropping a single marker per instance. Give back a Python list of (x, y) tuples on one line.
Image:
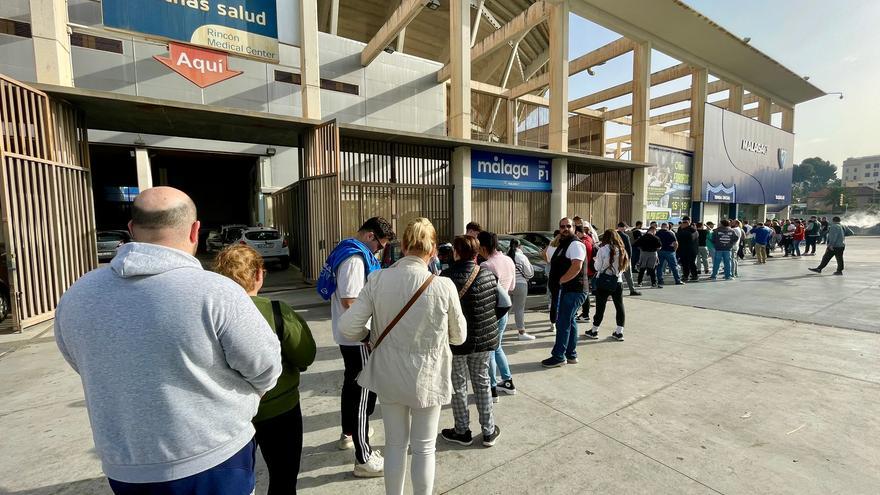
[(173, 359)]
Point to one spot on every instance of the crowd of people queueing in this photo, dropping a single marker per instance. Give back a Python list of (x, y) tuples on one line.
[(204, 370)]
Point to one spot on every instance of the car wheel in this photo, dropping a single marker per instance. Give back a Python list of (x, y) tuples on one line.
[(284, 262), (4, 306)]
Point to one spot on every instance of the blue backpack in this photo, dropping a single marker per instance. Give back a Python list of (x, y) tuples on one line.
[(326, 285)]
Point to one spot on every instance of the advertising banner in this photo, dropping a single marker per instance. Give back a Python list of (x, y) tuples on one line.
[(669, 184), (745, 161), (502, 171), (243, 27)]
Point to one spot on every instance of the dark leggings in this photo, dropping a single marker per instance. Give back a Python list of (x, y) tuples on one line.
[(280, 440), (602, 299), (554, 303), (651, 271)]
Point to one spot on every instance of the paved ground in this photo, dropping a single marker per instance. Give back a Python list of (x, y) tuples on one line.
[(696, 400)]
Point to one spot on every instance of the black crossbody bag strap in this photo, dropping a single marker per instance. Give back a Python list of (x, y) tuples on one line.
[(279, 319)]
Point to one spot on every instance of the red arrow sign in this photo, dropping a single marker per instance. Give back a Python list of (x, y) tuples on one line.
[(201, 66)]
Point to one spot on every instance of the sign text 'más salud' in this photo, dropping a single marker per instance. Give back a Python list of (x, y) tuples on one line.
[(242, 27), (502, 171)]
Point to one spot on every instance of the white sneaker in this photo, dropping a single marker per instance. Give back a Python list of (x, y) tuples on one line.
[(525, 336), (373, 468), (346, 442)]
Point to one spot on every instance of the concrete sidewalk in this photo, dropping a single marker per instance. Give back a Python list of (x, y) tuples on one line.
[(695, 401)]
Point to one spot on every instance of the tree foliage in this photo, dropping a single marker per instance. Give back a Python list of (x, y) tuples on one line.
[(811, 175)]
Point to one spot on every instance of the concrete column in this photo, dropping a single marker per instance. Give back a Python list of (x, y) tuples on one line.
[(559, 195), (788, 119), (558, 128), (310, 65), (762, 213), (461, 193), (699, 88), (763, 110), (334, 17), (641, 103), (735, 99), (460, 79), (51, 42), (144, 170)]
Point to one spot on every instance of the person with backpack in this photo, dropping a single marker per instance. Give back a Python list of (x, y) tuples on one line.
[(724, 239), (278, 423), (524, 272), (342, 278), (416, 316), (477, 289), (611, 262)]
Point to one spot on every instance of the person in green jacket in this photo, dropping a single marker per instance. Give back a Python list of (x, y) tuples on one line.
[(278, 423)]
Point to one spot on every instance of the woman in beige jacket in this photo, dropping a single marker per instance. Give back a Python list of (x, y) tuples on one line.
[(411, 369)]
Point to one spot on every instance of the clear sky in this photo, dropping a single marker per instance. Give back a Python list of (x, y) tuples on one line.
[(837, 44)]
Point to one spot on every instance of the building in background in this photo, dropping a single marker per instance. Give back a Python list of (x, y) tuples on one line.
[(862, 171)]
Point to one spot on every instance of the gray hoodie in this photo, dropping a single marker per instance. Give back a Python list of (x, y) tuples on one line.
[(173, 360)]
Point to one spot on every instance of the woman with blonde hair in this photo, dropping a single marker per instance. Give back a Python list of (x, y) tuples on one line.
[(415, 317), (611, 262), (278, 423)]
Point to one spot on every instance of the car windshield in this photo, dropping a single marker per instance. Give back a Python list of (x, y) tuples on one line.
[(110, 237), (527, 247), (263, 235)]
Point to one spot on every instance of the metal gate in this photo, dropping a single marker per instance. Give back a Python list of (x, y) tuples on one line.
[(45, 199), (308, 212), (503, 211)]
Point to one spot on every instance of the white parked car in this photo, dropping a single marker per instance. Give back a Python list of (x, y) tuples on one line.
[(268, 243)]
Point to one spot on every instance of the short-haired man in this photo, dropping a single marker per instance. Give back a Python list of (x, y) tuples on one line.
[(173, 359), (725, 240), (627, 245), (814, 229), (666, 255), (688, 248), (567, 276), (634, 234), (836, 240), (762, 235), (343, 276), (473, 229)]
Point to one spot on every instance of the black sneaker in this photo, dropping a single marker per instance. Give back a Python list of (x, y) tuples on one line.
[(507, 387), (490, 440), (571, 360), (592, 335), (816, 270), (617, 336), (583, 317), (450, 435), (635, 293), (552, 362), (494, 394), (838, 273), (679, 283)]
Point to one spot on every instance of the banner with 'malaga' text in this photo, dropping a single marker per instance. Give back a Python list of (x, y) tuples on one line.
[(242, 27)]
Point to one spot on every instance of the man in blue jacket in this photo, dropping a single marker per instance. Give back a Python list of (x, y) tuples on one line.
[(762, 235)]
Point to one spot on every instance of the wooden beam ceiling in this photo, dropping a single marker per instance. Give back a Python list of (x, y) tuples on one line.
[(516, 28), (402, 16), (659, 77)]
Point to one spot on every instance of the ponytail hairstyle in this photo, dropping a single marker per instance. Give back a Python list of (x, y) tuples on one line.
[(511, 251), (612, 239)]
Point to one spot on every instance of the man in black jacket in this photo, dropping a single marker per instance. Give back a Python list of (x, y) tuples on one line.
[(688, 249), (477, 290), (567, 275)]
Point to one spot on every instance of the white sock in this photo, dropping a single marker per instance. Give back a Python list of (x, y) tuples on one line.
[(619, 330), (594, 329)]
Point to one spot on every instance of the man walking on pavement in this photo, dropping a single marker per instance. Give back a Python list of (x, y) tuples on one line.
[(173, 359), (627, 245), (667, 254), (836, 241), (567, 273), (341, 280)]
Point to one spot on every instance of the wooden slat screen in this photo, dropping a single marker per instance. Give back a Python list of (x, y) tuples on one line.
[(47, 207), (605, 196), (504, 211)]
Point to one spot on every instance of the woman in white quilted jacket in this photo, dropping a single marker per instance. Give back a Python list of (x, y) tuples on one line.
[(410, 367)]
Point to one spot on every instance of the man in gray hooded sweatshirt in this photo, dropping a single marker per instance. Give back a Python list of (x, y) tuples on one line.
[(173, 359)]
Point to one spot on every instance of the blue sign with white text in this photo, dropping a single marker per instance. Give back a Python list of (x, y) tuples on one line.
[(242, 27), (500, 171)]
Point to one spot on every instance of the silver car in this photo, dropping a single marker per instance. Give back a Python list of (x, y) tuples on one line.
[(109, 241)]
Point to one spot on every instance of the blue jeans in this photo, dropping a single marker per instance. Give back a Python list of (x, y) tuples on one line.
[(667, 257), (498, 360), (235, 476), (721, 256), (796, 245), (566, 326)]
